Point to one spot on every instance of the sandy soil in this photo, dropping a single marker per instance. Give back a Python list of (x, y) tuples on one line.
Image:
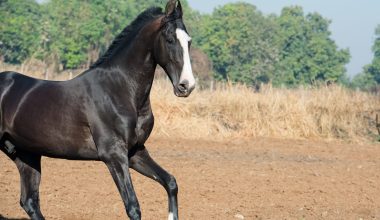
[(257, 179)]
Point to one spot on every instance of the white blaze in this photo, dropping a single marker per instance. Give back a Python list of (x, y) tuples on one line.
[(187, 72)]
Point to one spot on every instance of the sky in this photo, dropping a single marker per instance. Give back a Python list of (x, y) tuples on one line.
[(353, 22)]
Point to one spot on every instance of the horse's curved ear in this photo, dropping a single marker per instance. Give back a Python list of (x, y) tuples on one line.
[(170, 7), (179, 9)]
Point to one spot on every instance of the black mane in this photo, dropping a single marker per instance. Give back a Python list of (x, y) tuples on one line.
[(129, 33)]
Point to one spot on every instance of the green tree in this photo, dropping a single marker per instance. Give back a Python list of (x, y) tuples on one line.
[(308, 54), (72, 29), (71, 32), (374, 68), (363, 81), (77, 28), (371, 74), (240, 43), (20, 28)]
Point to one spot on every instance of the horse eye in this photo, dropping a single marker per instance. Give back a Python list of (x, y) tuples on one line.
[(170, 40)]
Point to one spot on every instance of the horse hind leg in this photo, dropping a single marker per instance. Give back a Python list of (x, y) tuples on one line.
[(29, 167)]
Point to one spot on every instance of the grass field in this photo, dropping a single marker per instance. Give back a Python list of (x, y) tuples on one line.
[(237, 111)]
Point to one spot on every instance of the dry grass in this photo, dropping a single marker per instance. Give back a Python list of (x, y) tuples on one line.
[(32, 68), (332, 113), (36, 68), (236, 111)]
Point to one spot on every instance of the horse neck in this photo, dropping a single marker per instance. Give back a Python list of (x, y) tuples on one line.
[(136, 66)]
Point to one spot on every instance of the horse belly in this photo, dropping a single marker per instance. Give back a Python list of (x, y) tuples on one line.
[(56, 137), (78, 147)]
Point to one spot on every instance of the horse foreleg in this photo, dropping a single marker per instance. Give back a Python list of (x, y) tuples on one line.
[(29, 167), (144, 164), (118, 165)]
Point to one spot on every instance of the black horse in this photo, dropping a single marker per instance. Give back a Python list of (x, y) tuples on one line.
[(102, 115)]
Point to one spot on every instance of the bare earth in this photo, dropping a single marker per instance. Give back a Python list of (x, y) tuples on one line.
[(257, 179)]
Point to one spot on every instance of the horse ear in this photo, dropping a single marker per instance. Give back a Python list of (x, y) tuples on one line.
[(179, 9), (170, 7)]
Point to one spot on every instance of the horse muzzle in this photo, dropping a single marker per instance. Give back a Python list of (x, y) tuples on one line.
[(183, 89)]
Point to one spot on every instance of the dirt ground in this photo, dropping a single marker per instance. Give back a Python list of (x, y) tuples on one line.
[(237, 179)]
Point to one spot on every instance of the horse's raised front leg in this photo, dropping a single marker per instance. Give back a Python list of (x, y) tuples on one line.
[(117, 161), (144, 164), (29, 167)]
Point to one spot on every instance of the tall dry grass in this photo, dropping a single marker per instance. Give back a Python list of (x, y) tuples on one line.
[(237, 111), (227, 111)]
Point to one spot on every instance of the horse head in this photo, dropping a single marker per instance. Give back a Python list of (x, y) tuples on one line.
[(172, 46)]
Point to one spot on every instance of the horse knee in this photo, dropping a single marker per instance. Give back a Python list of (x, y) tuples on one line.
[(134, 211), (27, 203), (31, 207), (172, 186), (26, 206)]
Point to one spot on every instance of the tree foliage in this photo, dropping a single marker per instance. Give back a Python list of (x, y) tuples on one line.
[(63, 31), (291, 49), (307, 53), (238, 39), (77, 27), (374, 68), (370, 77), (19, 29), (244, 45), (71, 29)]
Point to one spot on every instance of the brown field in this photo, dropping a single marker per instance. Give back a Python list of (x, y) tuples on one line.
[(256, 178)]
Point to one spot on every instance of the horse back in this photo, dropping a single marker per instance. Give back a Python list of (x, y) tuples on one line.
[(18, 93)]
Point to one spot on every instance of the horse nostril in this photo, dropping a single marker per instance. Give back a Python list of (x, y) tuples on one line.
[(183, 86)]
